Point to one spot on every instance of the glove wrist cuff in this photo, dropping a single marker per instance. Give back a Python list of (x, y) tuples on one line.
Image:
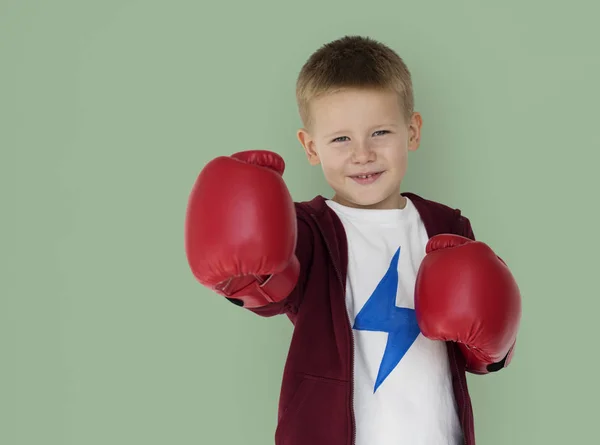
[(264, 290)]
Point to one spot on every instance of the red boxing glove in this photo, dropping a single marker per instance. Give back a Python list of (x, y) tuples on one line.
[(240, 229), (466, 294)]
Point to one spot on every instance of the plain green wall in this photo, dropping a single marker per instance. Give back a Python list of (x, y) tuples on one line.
[(109, 109)]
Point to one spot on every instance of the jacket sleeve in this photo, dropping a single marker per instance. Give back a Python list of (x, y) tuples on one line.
[(463, 227), (304, 252)]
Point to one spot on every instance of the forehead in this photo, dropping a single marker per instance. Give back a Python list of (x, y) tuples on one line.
[(355, 107)]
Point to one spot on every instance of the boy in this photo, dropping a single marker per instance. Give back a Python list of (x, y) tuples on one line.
[(391, 298)]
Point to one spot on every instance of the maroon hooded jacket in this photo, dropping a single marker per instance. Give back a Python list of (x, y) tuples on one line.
[(316, 400)]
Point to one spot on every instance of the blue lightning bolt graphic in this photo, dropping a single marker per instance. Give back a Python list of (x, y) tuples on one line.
[(380, 314)]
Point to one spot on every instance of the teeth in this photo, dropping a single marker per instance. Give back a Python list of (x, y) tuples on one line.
[(365, 176)]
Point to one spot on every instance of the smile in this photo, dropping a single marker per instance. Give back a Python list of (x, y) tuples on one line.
[(366, 179)]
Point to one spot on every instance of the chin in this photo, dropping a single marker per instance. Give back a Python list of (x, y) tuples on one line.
[(370, 201), (377, 195)]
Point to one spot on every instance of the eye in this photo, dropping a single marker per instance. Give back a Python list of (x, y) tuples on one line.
[(380, 132), (340, 139)]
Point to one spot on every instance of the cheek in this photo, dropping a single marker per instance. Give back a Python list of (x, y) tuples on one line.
[(333, 159), (396, 153), (332, 172), (400, 162)]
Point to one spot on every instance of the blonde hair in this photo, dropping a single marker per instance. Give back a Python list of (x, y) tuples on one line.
[(353, 62)]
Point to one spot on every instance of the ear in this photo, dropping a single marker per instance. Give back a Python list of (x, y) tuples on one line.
[(309, 146), (414, 131)]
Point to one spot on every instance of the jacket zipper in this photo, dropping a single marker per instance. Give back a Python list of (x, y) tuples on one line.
[(339, 275), (464, 413)]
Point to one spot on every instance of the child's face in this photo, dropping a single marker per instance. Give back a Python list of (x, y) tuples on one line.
[(361, 132)]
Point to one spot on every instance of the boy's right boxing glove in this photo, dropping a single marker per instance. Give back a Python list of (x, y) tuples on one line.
[(240, 229)]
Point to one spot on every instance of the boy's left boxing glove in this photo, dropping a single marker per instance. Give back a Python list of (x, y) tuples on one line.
[(466, 294)]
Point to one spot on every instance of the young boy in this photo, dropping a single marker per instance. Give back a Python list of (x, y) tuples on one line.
[(391, 298)]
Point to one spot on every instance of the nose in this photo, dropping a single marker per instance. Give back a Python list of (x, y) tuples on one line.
[(362, 153)]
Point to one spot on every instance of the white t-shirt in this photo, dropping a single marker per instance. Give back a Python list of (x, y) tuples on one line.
[(402, 382)]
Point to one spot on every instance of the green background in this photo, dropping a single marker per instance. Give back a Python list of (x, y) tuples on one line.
[(109, 109)]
